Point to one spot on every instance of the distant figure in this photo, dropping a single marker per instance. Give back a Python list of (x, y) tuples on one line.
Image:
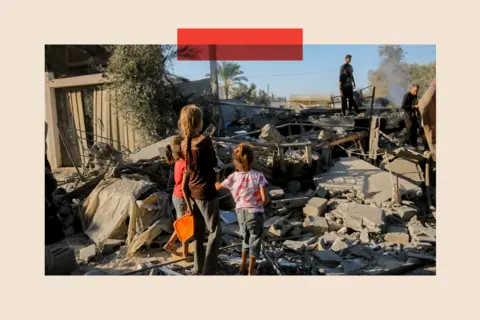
[(410, 109), (347, 85)]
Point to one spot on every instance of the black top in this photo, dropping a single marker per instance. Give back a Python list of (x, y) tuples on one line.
[(346, 75), (409, 101)]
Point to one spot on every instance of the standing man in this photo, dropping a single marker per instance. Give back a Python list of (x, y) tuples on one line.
[(410, 109), (347, 84)]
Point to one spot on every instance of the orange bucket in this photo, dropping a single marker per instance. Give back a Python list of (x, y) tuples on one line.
[(184, 227)]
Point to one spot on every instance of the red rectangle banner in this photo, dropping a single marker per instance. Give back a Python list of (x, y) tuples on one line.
[(240, 44)]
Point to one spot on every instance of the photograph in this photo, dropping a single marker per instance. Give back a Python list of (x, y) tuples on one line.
[(274, 159)]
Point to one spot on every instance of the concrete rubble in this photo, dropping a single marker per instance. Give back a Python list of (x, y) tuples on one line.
[(337, 207)]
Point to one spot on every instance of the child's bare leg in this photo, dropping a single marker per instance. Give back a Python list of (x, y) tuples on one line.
[(251, 267), (244, 261), (185, 249), (169, 245)]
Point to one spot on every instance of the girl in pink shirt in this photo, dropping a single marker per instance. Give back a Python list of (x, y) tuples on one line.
[(248, 188)]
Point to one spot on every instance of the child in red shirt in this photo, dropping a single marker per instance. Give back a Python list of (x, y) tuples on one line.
[(174, 154)]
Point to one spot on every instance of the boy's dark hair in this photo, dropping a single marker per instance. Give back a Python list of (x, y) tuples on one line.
[(243, 157), (416, 86), (174, 151), (348, 56)]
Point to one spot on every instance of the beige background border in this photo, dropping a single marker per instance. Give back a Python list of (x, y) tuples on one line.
[(25, 26)]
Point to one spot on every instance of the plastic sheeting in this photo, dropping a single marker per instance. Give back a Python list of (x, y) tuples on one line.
[(114, 200)]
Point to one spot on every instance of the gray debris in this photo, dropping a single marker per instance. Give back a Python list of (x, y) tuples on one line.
[(315, 207), (328, 257), (315, 225)]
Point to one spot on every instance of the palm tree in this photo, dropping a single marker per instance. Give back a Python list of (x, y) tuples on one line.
[(230, 74)]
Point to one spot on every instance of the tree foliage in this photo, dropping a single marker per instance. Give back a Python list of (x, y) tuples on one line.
[(230, 75), (141, 94), (249, 94), (394, 76)]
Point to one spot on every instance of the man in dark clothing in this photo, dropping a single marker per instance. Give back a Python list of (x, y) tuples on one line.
[(347, 84), (410, 110)]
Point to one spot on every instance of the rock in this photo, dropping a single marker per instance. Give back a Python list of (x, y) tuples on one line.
[(339, 245), (88, 253), (270, 221), (327, 257), (417, 229), (280, 228), (310, 193), (397, 235), (270, 134), (352, 265), (297, 246), (315, 207), (364, 238), (356, 216), (342, 231), (294, 187), (404, 212), (362, 251), (315, 225), (112, 245), (275, 192)]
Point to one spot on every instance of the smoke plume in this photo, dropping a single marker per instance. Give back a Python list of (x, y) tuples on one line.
[(396, 80)]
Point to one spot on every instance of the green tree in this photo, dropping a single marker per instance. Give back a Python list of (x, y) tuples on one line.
[(230, 75)]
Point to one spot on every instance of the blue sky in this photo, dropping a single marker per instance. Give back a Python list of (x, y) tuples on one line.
[(316, 74)]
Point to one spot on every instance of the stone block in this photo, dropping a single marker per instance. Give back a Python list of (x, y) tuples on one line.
[(357, 216), (88, 253), (316, 225), (339, 245), (315, 207), (405, 213), (397, 235), (297, 246), (275, 192)]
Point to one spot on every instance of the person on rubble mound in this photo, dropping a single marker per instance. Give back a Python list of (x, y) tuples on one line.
[(248, 188), (347, 85), (410, 111), (199, 186)]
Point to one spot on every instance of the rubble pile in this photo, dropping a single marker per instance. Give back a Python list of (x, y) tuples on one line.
[(341, 203)]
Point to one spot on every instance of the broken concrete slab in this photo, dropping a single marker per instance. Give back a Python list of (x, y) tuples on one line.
[(396, 234), (417, 229), (364, 238), (152, 151), (353, 265), (280, 228), (289, 203), (357, 216), (421, 256), (315, 207), (88, 253), (316, 225), (405, 213), (328, 257), (112, 245), (406, 169), (338, 246), (362, 251), (297, 246), (366, 180)]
